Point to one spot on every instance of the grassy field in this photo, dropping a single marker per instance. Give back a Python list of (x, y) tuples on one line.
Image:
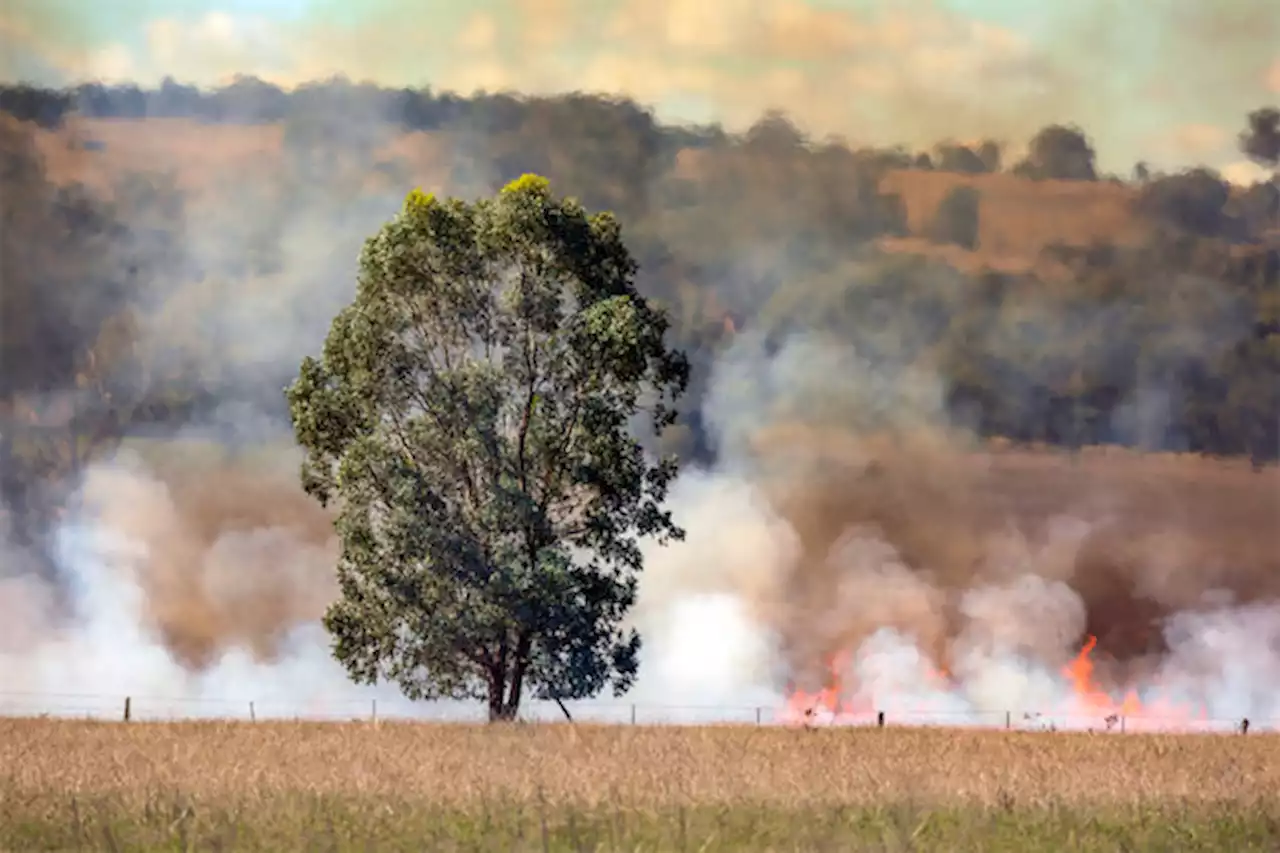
[(223, 786)]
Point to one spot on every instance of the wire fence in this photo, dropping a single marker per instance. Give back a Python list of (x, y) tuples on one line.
[(143, 708)]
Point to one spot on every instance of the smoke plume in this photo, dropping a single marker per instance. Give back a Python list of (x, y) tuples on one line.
[(899, 552), (848, 535), (845, 520)]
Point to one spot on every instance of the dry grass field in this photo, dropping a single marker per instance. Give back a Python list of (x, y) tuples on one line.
[(1221, 502), (222, 786), (202, 158), (1019, 217)]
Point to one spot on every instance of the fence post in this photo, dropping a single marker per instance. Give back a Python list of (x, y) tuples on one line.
[(128, 709), (253, 717), (1008, 720), (373, 713), (633, 714), (757, 715), (1122, 724)]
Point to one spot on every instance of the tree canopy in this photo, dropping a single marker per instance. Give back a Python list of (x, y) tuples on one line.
[(1261, 141), (470, 418), (1061, 152)]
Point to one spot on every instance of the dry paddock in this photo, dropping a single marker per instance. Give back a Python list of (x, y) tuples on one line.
[(559, 788), (460, 765)]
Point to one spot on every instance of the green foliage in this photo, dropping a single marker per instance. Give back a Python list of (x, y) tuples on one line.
[(28, 103), (1061, 152), (1260, 142), (1258, 207), (1194, 201), (957, 218), (470, 417), (953, 157), (991, 153)]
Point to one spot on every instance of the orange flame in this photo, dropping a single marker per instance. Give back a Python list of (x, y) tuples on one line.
[(1092, 699), (1159, 712), (834, 703)]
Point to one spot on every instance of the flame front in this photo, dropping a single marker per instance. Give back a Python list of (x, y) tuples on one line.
[(1091, 698), (1159, 712), (1087, 705)]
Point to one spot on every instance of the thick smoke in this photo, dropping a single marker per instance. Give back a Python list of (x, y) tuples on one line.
[(846, 521), (952, 584), (848, 532)]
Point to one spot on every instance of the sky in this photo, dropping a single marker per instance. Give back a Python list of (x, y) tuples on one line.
[(1165, 81)]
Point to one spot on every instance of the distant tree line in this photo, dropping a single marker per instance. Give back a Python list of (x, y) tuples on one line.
[(1057, 152)]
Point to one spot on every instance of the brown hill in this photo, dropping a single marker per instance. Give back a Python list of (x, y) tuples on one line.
[(1018, 217)]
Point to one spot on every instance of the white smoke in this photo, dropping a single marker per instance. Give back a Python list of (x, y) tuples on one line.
[(713, 611), (106, 651)]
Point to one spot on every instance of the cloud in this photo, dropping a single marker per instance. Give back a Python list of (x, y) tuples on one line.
[(480, 32), (870, 75), (771, 30), (27, 54), (740, 56), (1244, 173), (211, 49), (877, 72), (1197, 142), (1199, 139)]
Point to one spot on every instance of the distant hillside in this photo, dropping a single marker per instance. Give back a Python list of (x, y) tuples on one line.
[(1052, 303), (1018, 217)]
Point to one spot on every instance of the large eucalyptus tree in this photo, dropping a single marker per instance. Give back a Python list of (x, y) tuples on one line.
[(470, 417)]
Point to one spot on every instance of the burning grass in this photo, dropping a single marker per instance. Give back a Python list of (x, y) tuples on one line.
[(269, 786)]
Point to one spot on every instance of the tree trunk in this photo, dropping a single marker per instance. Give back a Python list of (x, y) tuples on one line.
[(499, 710), (506, 684), (515, 690)]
